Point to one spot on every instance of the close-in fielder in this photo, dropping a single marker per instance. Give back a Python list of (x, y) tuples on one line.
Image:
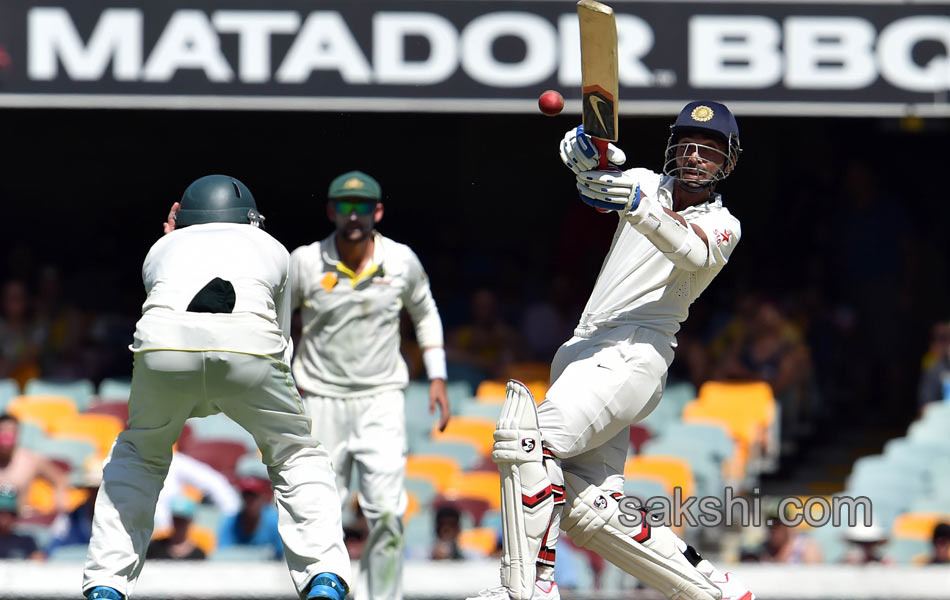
[(350, 288), (214, 336), (562, 463)]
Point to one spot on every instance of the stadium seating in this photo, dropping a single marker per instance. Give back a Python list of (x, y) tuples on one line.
[(73, 553), (70, 453), (422, 489), (101, 430), (42, 410), (119, 410), (437, 470), (480, 410), (9, 389), (528, 371), (480, 541), (114, 389), (243, 554), (918, 526), (220, 427), (222, 455), (668, 411), (475, 508), (638, 435), (41, 497), (482, 485), (674, 471), (707, 470), (479, 432), (491, 390), (466, 454), (645, 487), (80, 390)]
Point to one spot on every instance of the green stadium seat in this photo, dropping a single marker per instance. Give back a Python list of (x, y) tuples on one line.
[(904, 551), (71, 452), (72, 553), (464, 453), (246, 554)]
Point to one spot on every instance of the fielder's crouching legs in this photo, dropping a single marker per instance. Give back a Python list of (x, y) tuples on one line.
[(654, 555)]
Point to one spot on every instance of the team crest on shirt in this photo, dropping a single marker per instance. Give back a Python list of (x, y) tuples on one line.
[(722, 237)]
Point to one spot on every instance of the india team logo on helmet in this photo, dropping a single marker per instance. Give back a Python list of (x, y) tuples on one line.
[(527, 444), (708, 118)]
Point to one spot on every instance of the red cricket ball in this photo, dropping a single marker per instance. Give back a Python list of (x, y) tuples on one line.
[(551, 102)]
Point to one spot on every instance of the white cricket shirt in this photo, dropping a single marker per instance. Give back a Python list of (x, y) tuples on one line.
[(182, 262), (349, 343), (638, 285)]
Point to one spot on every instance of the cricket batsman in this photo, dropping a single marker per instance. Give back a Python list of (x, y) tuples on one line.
[(561, 463), (350, 288), (214, 336)]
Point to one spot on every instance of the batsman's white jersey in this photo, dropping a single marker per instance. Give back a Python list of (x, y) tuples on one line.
[(192, 364), (349, 344), (638, 285)]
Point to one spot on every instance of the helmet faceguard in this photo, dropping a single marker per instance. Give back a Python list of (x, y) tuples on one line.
[(682, 160)]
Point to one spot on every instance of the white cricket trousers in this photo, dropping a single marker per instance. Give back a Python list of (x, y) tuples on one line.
[(369, 434), (600, 386), (258, 393)]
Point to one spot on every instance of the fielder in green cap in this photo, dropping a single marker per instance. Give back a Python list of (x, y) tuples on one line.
[(350, 288)]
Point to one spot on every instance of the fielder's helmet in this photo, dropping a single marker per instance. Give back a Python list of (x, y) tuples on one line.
[(713, 119), (217, 199)]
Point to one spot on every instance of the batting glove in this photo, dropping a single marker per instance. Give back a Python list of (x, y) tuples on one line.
[(608, 190), (579, 153)]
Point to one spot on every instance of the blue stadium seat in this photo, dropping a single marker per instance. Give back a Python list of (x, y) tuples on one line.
[(478, 409), (465, 454), (245, 554), (80, 390), (69, 451), (419, 534), (904, 551), (9, 389), (644, 489), (73, 553), (419, 421), (707, 469), (111, 388)]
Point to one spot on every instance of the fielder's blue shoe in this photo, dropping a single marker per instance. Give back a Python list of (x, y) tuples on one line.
[(103, 593), (328, 586)]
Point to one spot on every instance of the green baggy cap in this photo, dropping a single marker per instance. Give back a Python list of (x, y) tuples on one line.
[(355, 184)]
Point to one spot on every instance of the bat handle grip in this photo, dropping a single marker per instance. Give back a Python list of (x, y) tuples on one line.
[(602, 148)]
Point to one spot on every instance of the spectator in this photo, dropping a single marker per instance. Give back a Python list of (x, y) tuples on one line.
[(935, 380), (177, 546), (21, 338), (13, 545), (191, 472), (19, 466), (549, 321), (256, 523), (941, 543), (63, 324), (784, 544), (487, 343), (866, 541), (448, 527), (75, 528)]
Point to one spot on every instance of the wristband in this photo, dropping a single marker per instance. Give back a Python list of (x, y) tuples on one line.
[(434, 361)]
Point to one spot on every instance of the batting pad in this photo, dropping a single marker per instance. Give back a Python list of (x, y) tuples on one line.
[(527, 500), (654, 555)]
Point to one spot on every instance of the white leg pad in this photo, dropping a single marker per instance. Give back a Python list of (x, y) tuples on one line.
[(527, 499), (654, 555)]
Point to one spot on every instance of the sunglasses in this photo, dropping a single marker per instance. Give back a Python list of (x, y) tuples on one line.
[(360, 208)]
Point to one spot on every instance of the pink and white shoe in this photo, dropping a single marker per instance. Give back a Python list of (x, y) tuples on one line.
[(543, 590), (732, 588)]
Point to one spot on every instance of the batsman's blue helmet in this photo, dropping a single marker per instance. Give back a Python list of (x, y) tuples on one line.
[(217, 199), (713, 119)]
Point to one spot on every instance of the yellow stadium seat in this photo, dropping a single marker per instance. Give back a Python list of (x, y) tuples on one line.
[(481, 541), (101, 430), (204, 538), (41, 497), (438, 470), (484, 485), (477, 431), (754, 400), (412, 507), (918, 526), (42, 410), (491, 390), (529, 371), (672, 471)]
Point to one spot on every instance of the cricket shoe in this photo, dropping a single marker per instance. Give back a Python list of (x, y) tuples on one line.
[(103, 593), (543, 590), (327, 586), (732, 588)]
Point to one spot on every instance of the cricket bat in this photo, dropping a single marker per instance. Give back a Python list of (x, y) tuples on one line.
[(599, 74)]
